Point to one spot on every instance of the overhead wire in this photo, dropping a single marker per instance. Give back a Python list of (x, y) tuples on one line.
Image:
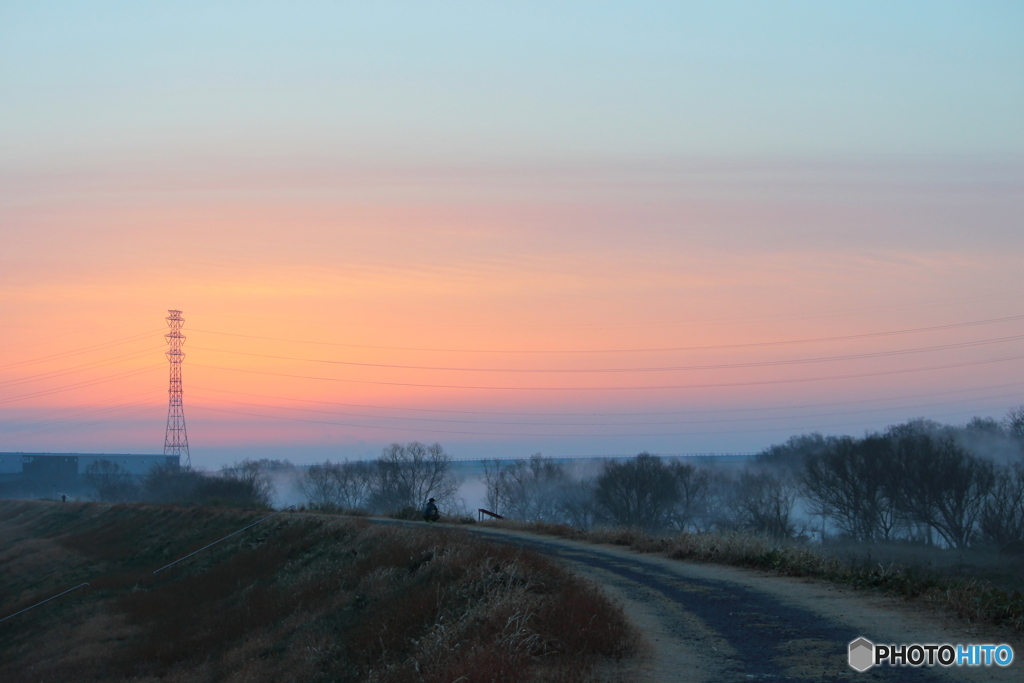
[(77, 425), (676, 368), (707, 385), (715, 347), (78, 385), (78, 368), (116, 342), (516, 434), (831, 313), (605, 424), (71, 412), (134, 355), (699, 411)]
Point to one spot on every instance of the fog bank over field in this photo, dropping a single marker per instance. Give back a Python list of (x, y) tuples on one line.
[(919, 481)]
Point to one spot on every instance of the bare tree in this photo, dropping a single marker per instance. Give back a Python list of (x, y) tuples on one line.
[(852, 480), (112, 482), (794, 453), (354, 485), (640, 492), (1014, 424), (526, 489), (942, 485), (320, 487), (407, 475), (716, 513), (576, 504), (692, 490), (763, 502), (1002, 517), (253, 479), (172, 484), (244, 484), (493, 485), (337, 486)]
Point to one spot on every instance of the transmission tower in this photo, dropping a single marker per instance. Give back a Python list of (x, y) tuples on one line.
[(175, 439)]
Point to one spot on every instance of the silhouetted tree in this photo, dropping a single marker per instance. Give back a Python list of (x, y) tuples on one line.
[(794, 453), (640, 492), (337, 486), (763, 502), (526, 489), (166, 483), (576, 503), (1014, 424), (1002, 516), (112, 482), (405, 476), (692, 486), (853, 482), (492, 485), (941, 484), (243, 484)]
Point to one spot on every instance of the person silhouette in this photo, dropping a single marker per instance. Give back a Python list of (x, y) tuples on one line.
[(430, 512)]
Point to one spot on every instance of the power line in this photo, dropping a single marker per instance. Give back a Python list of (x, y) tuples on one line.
[(89, 423), (831, 313), (613, 424), (78, 368), (710, 385), (675, 368), (522, 434), (716, 347), (59, 416), (78, 385), (53, 414), (616, 414), (116, 342)]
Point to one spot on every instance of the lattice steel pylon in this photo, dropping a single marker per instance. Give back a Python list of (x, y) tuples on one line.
[(176, 438)]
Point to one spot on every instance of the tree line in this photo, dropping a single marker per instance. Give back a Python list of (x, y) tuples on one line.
[(245, 484), (399, 482), (919, 481)]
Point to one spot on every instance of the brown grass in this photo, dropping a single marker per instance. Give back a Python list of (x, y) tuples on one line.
[(946, 580), (315, 600)]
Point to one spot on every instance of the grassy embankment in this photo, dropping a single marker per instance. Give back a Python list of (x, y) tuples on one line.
[(974, 585), (296, 599)]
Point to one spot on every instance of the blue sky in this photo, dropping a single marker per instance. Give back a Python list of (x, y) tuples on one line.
[(522, 179), (480, 81)]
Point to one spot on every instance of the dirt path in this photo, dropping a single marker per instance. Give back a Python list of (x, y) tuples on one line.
[(716, 623)]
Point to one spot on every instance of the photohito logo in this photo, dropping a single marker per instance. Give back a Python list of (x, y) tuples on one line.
[(864, 654)]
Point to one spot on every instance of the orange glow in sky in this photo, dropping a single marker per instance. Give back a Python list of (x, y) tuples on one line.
[(500, 249)]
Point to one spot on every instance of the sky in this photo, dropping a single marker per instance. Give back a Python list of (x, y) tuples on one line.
[(567, 228)]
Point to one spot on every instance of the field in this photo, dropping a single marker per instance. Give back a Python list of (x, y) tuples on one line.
[(296, 598)]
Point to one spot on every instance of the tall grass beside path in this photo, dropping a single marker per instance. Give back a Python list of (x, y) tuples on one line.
[(967, 596)]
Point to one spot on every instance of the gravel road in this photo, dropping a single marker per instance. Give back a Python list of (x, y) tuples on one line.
[(715, 623)]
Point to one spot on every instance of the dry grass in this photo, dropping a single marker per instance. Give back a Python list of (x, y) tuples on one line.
[(947, 578), (316, 600)]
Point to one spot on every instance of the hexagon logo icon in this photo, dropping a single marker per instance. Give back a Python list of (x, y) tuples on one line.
[(862, 654)]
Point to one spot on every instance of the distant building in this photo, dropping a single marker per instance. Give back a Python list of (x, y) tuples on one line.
[(36, 475)]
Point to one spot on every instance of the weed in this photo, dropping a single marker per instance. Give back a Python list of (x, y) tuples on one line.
[(968, 597), (295, 599)]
